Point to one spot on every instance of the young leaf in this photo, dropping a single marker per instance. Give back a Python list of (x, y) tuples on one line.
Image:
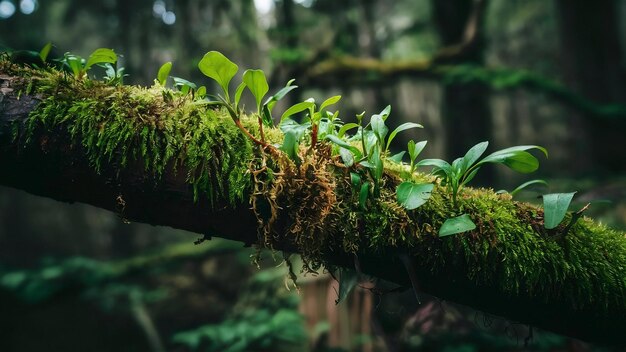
[(257, 83), (415, 149), (101, 56), (397, 158), (555, 207), (345, 128), (299, 107), (363, 194), (456, 225), (403, 127), (239, 92), (271, 101), (379, 128), (218, 67), (340, 142), (526, 184), (411, 195), (330, 101), (164, 72), (201, 92), (290, 145), (472, 155), (43, 54)]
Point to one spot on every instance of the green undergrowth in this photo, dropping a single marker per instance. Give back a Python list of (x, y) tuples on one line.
[(313, 203)]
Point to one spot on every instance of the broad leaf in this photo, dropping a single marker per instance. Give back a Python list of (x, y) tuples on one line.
[(555, 207), (456, 225), (403, 127), (257, 83), (299, 107), (101, 56), (164, 72), (239, 92), (411, 195), (517, 158), (355, 180), (330, 101), (218, 67)]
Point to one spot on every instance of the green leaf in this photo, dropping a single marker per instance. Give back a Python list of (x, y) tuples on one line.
[(218, 67), (348, 279), (379, 128), (517, 158), (456, 225), (257, 83), (363, 194), (346, 156), (345, 128), (375, 159), (386, 112), (472, 155), (182, 83), (239, 92), (164, 72), (340, 142), (330, 101), (101, 56), (355, 180), (75, 64), (299, 107), (403, 127), (290, 145), (397, 158), (411, 195), (201, 92), (43, 53), (271, 101), (526, 184), (555, 207), (415, 149)]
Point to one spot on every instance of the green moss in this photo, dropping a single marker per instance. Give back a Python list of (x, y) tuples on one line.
[(120, 126)]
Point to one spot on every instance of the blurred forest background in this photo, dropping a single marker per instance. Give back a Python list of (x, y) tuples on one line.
[(552, 73)]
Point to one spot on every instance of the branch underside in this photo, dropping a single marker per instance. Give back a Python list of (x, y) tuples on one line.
[(181, 165)]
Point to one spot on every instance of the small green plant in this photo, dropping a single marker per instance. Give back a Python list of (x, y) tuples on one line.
[(79, 66), (113, 75), (219, 68), (164, 73), (555, 207), (462, 170)]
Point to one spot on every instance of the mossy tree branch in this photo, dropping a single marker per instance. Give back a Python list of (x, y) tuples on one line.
[(375, 71), (180, 164)]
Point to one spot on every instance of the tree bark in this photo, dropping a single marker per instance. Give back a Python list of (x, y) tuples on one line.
[(52, 164)]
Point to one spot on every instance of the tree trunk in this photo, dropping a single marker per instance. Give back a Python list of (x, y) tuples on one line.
[(592, 64), (176, 163)]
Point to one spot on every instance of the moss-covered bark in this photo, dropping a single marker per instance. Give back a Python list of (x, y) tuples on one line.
[(159, 157)]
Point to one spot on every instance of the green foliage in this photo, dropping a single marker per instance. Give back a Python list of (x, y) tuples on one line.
[(79, 67), (45, 51), (164, 72), (555, 207), (456, 225), (348, 279), (523, 186), (411, 195), (218, 67)]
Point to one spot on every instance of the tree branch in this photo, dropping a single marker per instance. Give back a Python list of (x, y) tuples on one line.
[(178, 164)]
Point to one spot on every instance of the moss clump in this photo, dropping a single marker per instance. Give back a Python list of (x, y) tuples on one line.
[(163, 130)]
